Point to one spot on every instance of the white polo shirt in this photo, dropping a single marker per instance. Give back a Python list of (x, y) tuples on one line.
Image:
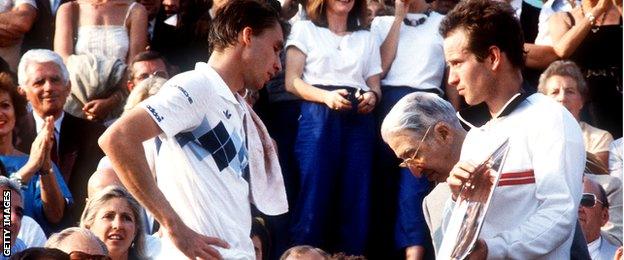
[(203, 158)]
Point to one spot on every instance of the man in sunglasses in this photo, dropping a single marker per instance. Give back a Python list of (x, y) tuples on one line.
[(144, 65), (593, 214)]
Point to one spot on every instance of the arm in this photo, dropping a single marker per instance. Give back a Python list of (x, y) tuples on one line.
[(137, 31), (565, 38), (19, 20), (122, 143), (295, 61), (64, 31), (389, 46)]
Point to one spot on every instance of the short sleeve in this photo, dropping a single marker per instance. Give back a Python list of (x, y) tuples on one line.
[(299, 36), (377, 29), (374, 59), (175, 108)]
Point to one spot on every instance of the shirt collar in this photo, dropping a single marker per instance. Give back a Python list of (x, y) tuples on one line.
[(479, 115), (57, 123), (219, 85)]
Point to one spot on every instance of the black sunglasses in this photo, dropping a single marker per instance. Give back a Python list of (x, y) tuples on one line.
[(589, 200)]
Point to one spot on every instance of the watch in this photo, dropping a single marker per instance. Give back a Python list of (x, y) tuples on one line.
[(591, 18)]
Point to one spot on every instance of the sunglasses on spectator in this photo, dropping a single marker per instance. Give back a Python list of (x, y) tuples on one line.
[(589, 200), (409, 161), (78, 255), (160, 73)]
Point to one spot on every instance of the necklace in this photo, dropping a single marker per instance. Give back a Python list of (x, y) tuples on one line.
[(419, 21), (596, 27)]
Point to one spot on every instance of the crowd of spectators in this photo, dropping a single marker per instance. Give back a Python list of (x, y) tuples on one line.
[(339, 133)]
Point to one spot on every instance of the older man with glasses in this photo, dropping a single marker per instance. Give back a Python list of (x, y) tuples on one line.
[(423, 130), (593, 214)]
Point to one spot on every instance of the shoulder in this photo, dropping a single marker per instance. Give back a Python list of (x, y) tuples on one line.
[(137, 10), (303, 25)]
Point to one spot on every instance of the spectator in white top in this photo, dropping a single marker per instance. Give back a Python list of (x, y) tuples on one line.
[(564, 82), (16, 19), (593, 214), (333, 64)]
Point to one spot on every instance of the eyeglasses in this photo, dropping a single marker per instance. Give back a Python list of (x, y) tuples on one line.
[(407, 162), (589, 200), (78, 255), (160, 73)]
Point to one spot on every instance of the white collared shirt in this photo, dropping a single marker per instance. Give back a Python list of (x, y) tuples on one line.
[(57, 125), (594, 248)]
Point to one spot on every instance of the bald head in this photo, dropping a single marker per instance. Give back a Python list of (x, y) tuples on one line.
[(101, 179)]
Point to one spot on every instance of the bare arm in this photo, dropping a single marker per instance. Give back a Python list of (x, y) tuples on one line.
[(295, 61), (123, 145), (389, 46), (64, 31), (19, 20), (137, 31)]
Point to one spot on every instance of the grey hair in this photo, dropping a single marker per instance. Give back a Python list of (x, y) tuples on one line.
[(564, 68), (146, 88), (11, 185), (57, 239), (416, 112), (112, 192), (40, 56)]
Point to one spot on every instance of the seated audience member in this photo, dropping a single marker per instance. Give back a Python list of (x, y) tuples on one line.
[(424, 132), (115, 217), (260, 238), (593, 214), (144, 65), (564, 82), (46, 195), (40, 253), (613, 190), (616, 164), (304, 252), (17, 212), (78, 242), (43, 74)]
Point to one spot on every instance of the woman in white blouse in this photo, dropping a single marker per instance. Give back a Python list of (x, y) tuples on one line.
[(333, 64)]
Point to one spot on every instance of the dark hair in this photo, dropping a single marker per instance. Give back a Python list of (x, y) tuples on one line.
[(40, 253), (487, 23), (235, 16), (145, 56), (603, 196), (19, 101), (258, 229), (317, 13)]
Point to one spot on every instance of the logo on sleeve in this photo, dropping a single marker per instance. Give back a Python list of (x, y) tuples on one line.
[(154, 113), (186, 94), (227, 114)]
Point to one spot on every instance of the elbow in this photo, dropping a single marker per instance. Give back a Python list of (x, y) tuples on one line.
[(106, 142)]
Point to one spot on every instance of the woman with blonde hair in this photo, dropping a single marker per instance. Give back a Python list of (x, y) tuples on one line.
[(114, 216)]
